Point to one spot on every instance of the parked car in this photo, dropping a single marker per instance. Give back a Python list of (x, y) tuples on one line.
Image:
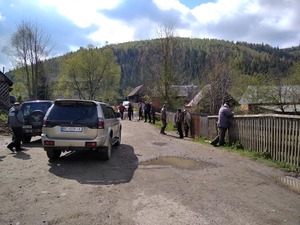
[(34, 112), (72, 124)]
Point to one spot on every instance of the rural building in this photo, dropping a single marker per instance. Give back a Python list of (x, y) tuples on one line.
[(272, 99), (5, 89)]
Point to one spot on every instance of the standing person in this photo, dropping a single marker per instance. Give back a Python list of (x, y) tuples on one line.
[(16, 121), (153, 111), (130, 111), (163, 114), (147, 109), (187, 122), (179, 121), (121, 110), (140, 108), (223, 124)]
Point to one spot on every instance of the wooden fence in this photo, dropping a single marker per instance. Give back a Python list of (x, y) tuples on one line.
[(278, 135)]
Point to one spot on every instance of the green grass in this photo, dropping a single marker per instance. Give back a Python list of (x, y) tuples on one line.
[(263, 157), (3, 116)]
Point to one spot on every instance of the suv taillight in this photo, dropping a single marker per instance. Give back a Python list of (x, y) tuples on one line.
[(100, 123), (45, 122)]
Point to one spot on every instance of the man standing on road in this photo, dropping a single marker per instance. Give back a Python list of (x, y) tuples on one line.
[(187, 122), (179, 121), (163, 114), (223, 124), (16, 121)]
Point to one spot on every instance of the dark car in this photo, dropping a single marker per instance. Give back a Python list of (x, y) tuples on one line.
[(34, 112)]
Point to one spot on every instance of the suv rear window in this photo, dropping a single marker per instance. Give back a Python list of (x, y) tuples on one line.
[(28, 108), (74, 112)]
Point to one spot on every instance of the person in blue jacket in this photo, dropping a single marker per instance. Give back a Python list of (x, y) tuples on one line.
[(225, 114)]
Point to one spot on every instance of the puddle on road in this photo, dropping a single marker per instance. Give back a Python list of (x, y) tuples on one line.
[(180, 163)]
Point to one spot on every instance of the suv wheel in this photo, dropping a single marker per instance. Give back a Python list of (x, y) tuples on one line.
[(119, 138), (53, 153), (36, 118), (106, 151)]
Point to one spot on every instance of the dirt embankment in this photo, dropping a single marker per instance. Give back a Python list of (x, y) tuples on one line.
[(4, 129)]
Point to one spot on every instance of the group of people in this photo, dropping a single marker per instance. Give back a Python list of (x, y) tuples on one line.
[(182, 121), (146, 111)]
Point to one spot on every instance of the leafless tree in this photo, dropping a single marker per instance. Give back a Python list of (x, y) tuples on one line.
[(30, 45)]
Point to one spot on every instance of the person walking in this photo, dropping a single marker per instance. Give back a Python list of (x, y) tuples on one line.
[(223, 124), (147, 109), (122, 110), (179, 121), (152, 112), (130, 111), (187, 122), (163, 114), (140, 109), (16, 121)]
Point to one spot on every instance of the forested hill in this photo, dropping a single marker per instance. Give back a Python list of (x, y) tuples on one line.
[(194, 56)]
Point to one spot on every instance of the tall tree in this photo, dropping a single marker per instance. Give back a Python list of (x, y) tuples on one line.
[(161, 63), (90, 74), (30, 45)]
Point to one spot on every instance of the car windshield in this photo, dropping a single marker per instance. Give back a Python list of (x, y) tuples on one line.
[(73, 112), (28, 108)]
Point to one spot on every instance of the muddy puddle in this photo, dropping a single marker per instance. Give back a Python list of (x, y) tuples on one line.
[(178, 162)]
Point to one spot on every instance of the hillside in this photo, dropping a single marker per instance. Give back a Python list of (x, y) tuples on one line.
[(193, 60)]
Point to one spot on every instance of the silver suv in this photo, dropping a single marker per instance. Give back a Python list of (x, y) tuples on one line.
[(72, 124)]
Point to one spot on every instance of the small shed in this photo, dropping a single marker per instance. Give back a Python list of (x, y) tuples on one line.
[(5, 89), (137, 94)]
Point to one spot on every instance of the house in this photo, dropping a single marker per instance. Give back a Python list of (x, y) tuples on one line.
[(5, 89), (184, 92), (202, 97), (137, 94), (270, 98)]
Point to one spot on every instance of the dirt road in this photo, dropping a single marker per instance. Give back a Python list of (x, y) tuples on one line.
[(150, 179)]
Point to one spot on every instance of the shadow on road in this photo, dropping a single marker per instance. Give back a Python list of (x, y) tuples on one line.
[(86, 167)]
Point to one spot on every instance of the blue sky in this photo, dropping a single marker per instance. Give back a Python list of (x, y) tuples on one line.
[(76, 23)]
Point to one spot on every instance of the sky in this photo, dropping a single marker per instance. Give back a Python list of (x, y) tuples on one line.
[(72, 24)]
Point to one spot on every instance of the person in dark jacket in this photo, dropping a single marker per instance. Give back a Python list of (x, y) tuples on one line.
[(16, 121), (179, 122), (163, 114), (147, 109), (152, 112), (130, 111), (223, 124)]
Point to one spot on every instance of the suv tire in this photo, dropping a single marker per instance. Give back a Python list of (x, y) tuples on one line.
[(105, 152), (36, 118), (53, 153)]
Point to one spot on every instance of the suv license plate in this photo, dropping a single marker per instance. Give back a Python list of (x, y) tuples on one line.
[(71, 129)]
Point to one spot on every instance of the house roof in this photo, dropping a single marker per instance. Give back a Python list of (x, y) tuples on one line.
[(3, 77), (187, 91), (199, 96), (135, 91), (271, 94)]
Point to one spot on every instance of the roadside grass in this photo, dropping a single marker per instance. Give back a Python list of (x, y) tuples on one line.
[(238, 148), (263, 157), (3, 116)]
